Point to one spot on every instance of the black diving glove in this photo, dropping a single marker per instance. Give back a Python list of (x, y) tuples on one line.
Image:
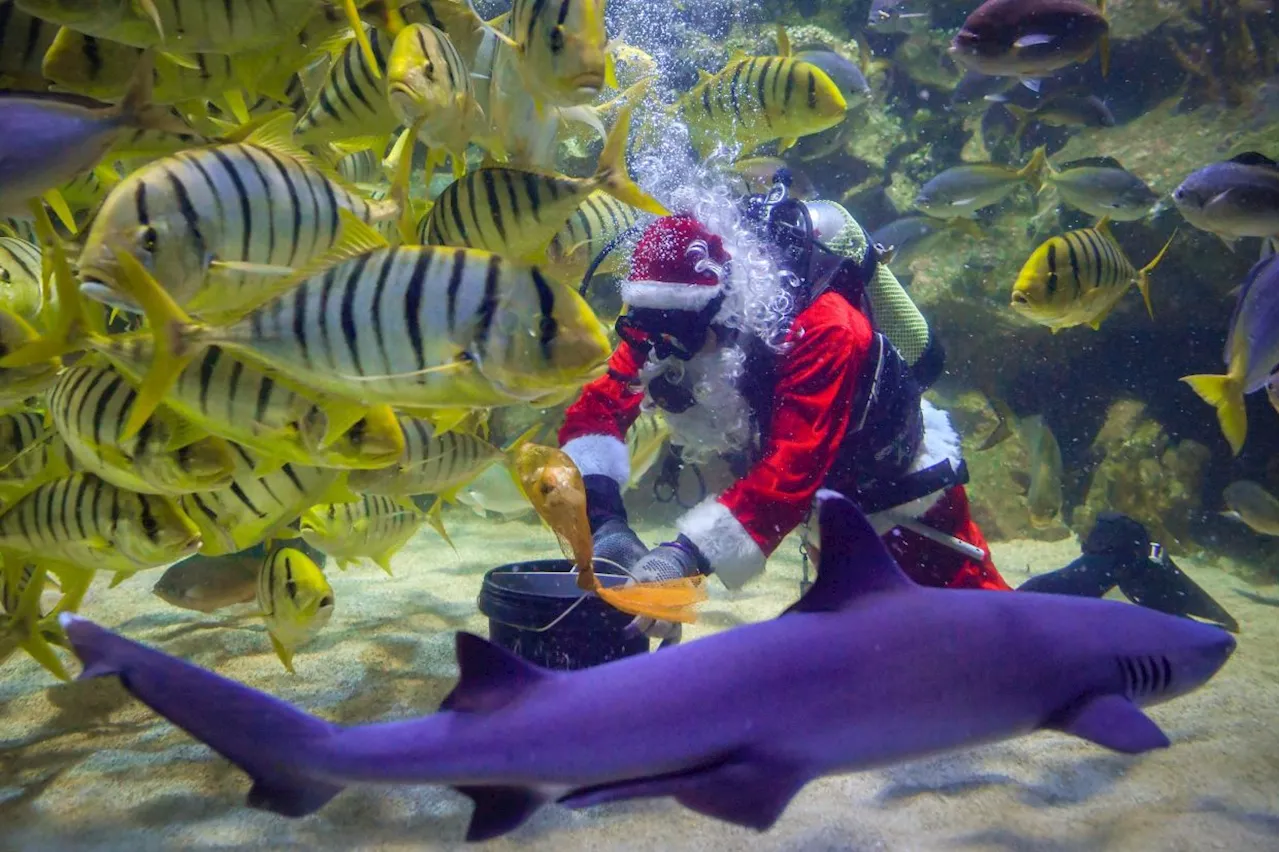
[(613, 539), (1115, 542), (1157, 583)]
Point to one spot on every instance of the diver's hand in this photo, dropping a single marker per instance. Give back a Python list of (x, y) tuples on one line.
[(615, 542), (669, 561)]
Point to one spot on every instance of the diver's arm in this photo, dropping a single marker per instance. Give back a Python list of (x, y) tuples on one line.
[(595, 425), (817, 377)]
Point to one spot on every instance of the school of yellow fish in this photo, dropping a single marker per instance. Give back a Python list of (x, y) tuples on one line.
[(230, 313)]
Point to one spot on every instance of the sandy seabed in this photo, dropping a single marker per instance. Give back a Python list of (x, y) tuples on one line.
[(84, 766)]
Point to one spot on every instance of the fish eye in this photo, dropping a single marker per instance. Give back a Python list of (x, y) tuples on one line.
[(149, 238), (5, 278), (149, 525), (557, 39), (1020, 298), (429, 69), (325, 601)]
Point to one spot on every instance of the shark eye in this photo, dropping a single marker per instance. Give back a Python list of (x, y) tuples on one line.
[(557, 39)]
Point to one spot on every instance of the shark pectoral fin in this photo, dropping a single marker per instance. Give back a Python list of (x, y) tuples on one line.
[(748, 790), (1114, 722), (499, 809), (854, 560), (489, 676)]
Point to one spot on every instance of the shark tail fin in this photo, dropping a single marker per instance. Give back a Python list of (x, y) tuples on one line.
[(262, 735)]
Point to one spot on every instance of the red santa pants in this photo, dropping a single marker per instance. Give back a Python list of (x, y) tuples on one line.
[(932, 564)]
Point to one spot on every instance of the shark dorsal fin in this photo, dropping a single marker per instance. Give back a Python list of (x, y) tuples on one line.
[(855, 562), (489, 677)]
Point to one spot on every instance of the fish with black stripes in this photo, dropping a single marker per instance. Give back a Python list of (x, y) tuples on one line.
[(759, 99), (429, 88), (374, 527), (1078, 277), (352, 103), (222, 226), (84, 521), (89, 406), (254, 508), (226, 395), (24, 39), (591, 229), (414, 327), (561, 48), (434, 461), (20, 289), (20, 383), (294, 599), (181, 26), (31, 452), (517, 213)]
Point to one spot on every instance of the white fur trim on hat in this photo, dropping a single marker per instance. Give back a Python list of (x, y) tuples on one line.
[(668, 296), (940, 441), (604, 455), (724, 541)]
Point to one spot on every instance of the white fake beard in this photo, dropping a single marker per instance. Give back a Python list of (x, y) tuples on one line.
[(720, 420)]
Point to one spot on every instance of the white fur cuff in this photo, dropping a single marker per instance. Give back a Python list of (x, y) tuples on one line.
[(668, 296), (724, 541), (600, 454)]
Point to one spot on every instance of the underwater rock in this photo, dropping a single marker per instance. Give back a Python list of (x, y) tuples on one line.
[(1147, 475)]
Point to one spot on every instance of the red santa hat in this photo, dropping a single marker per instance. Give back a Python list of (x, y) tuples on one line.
[(677, 265)]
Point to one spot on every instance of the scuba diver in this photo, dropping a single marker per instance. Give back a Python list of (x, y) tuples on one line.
[(772, 335)]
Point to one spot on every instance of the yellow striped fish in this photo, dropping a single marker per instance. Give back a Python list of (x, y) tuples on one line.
[(17, 384), (455, 18), (1077, 278), (90, 405), (433, 462), (757, 99), (20, 291), (180, 26), (24, 39), (428, 82), (224, 395), (517, 213), (589, 230), (353, 102), (360, 167), (101, 69), (562, 49), (221, 226), (22, 624), (295, 600), (255, 508), (30, 451), (422, 327), (374, 527), (87, 522)]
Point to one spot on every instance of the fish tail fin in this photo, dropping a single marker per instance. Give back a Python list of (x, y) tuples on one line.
[(264, 736), (1226, 395), (1023, 116), (612, 172), (136, 109), (1033, 171), (662, 600), (177, 339), (1144, 281)]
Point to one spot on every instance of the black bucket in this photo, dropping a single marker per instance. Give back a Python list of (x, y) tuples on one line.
[(522, 598)]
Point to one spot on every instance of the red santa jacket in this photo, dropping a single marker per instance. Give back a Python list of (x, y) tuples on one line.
[(815, 382)]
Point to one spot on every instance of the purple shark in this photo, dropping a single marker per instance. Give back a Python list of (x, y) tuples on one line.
[(867, 669)]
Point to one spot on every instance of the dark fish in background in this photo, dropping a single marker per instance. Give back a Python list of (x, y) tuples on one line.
[(1064, 111), (1236, 198), (1100, 186), (908, 237), (845, 73), (1252, 505), (975, 87), (210, 583), (1253, 345), (964, 190), (898, 16), (1031, 38), (1043, 479)]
